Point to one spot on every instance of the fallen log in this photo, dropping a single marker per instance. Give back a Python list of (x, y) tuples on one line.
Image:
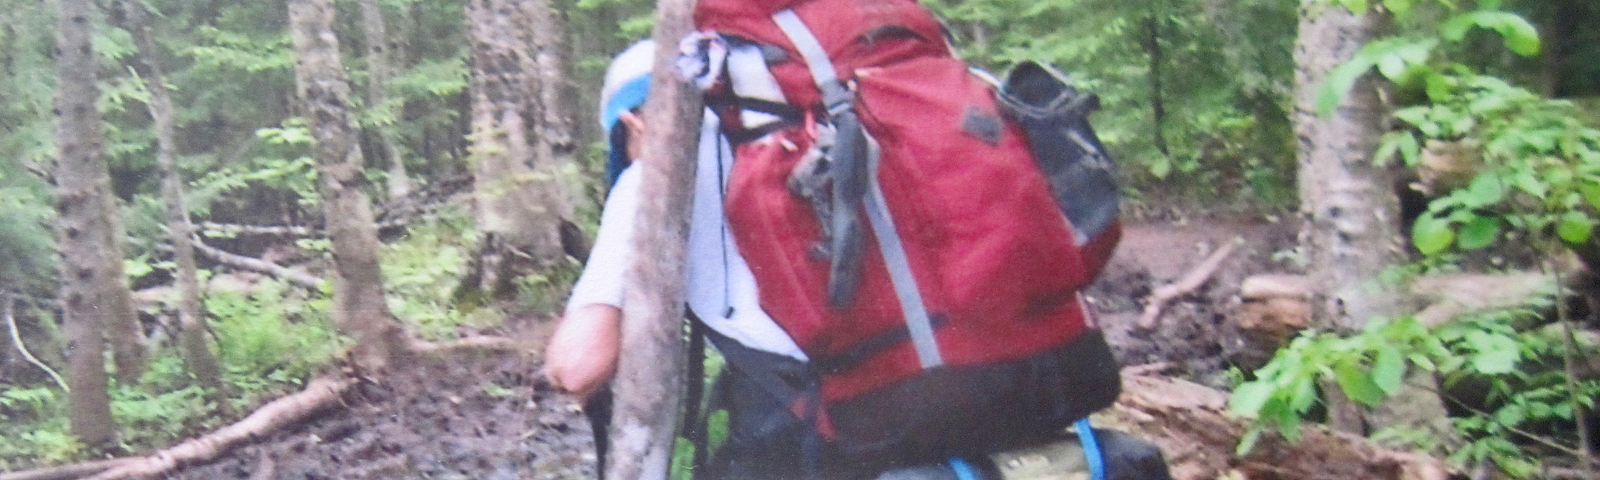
[(213, 228), (478, 343), (320, 395), (1161, 296), (290, 275), (1452, 295), (1190, 423), (68, 472)]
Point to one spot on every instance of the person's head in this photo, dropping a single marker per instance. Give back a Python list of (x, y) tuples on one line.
[(626, 85)]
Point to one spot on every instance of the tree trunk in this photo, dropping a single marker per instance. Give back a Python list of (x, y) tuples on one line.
[(191, 322), (649, 380), (90, 267), (554, 145), (1352, 219), (1560, 32), (379, 54), (358, 303), (517, 218), (1158, 108)]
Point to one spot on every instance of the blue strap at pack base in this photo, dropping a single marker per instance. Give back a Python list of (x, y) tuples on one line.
[(962, 469), (1091, 450)]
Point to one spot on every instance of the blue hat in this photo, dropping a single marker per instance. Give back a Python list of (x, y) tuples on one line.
[(626, 86)]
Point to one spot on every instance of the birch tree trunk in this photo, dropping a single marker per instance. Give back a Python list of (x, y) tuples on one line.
[(379, 56), (358, 303), (1352, 215), (649, 381), (90, 266), (191, 322), (518, 194)]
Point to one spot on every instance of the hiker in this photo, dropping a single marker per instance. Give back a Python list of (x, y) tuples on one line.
[(582, 354), (1025, 360)]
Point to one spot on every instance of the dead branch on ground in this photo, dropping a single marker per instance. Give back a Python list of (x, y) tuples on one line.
[(1187, 284), (210, 228), (16, 339), (319, 395), (68, 472), (296, 277), (478, 343)]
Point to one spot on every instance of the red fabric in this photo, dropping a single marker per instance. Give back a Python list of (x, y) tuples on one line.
[(991, 252), (844, 28)]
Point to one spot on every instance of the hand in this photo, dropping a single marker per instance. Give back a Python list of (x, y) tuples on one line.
[(582, 355)]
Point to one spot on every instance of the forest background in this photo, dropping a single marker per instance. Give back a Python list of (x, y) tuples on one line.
[(471, 154)]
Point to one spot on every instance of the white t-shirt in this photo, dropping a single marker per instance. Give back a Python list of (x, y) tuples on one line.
[(722, 292)]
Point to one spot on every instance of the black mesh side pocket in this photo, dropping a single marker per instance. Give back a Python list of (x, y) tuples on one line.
[(1055, 117)]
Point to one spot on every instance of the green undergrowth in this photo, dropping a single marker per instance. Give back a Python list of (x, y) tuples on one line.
[(270, 337), (1499, 371)]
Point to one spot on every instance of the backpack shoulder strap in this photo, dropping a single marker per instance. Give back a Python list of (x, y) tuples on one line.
[(834, 94)]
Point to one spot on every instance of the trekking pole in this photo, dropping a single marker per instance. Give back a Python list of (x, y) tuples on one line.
[(649, 382)]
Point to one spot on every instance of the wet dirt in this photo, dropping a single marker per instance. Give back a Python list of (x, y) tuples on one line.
[(478, 416), (1194, 334), (485, 416)]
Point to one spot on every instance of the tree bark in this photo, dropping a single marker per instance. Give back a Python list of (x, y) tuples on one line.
[(517, 219), (191, 321), (90, 266), (554, 144), (1158, 107), (379, 54), (1352, 215), (1559, 34), (359, 307), (649, 380)]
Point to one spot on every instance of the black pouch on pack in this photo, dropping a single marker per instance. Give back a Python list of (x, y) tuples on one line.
[(1055, 117), (975, 410)]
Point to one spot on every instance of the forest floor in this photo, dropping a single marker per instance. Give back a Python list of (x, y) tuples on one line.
[(487, 416)]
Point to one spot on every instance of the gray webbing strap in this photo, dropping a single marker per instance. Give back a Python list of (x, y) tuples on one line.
[(834, 94), (894, 256), (838, 99)]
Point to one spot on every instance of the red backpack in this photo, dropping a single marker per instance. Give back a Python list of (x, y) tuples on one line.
[(901, 231)]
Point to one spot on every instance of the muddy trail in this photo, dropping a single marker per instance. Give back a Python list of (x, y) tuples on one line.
[(489, 416)]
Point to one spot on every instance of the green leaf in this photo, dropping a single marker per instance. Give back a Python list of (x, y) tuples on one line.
[(1520, 36), (1440, 88), (1423, 362), (1401, 8), (1495, 354), (1432, 234), (1485, 190), (1357, 384), (1305, 394), (1161, 167), (1339, 82), (1248, 442), (1390, 147), (1410, 150), (1591, 192), (1576, 227), (1250, 398), (1389, 369), (1479, 232)]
